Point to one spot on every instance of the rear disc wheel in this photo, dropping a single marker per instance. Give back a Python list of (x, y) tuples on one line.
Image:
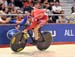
[(43, 45)]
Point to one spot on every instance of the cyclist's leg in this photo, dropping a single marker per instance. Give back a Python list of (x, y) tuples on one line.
[(43, 22), (36, 32)]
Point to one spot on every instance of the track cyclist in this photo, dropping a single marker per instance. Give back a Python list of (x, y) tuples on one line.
[(39, 19)]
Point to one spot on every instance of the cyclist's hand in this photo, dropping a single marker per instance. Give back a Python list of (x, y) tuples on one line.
[(24, 31)]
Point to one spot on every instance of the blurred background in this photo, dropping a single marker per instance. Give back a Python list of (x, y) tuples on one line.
[(59, 11)]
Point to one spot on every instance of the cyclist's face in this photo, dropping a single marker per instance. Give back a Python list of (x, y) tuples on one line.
[(37, 5)]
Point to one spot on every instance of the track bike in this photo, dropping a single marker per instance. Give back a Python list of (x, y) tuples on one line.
[(19, 40)]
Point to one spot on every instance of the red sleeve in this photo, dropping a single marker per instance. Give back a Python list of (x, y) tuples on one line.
[(34, 23)]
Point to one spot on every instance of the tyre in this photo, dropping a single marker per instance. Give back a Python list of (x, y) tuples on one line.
[(18, 42), (43, 45)]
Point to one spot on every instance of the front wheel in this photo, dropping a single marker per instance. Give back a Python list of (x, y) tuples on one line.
[(47, 37), (18, 42)]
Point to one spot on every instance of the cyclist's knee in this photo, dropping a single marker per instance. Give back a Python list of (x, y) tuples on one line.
[(36, 28)]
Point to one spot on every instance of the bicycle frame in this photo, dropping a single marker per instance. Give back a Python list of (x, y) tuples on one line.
[(30, 35)]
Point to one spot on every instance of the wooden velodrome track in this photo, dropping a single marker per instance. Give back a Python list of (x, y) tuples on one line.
[(65, 50)]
